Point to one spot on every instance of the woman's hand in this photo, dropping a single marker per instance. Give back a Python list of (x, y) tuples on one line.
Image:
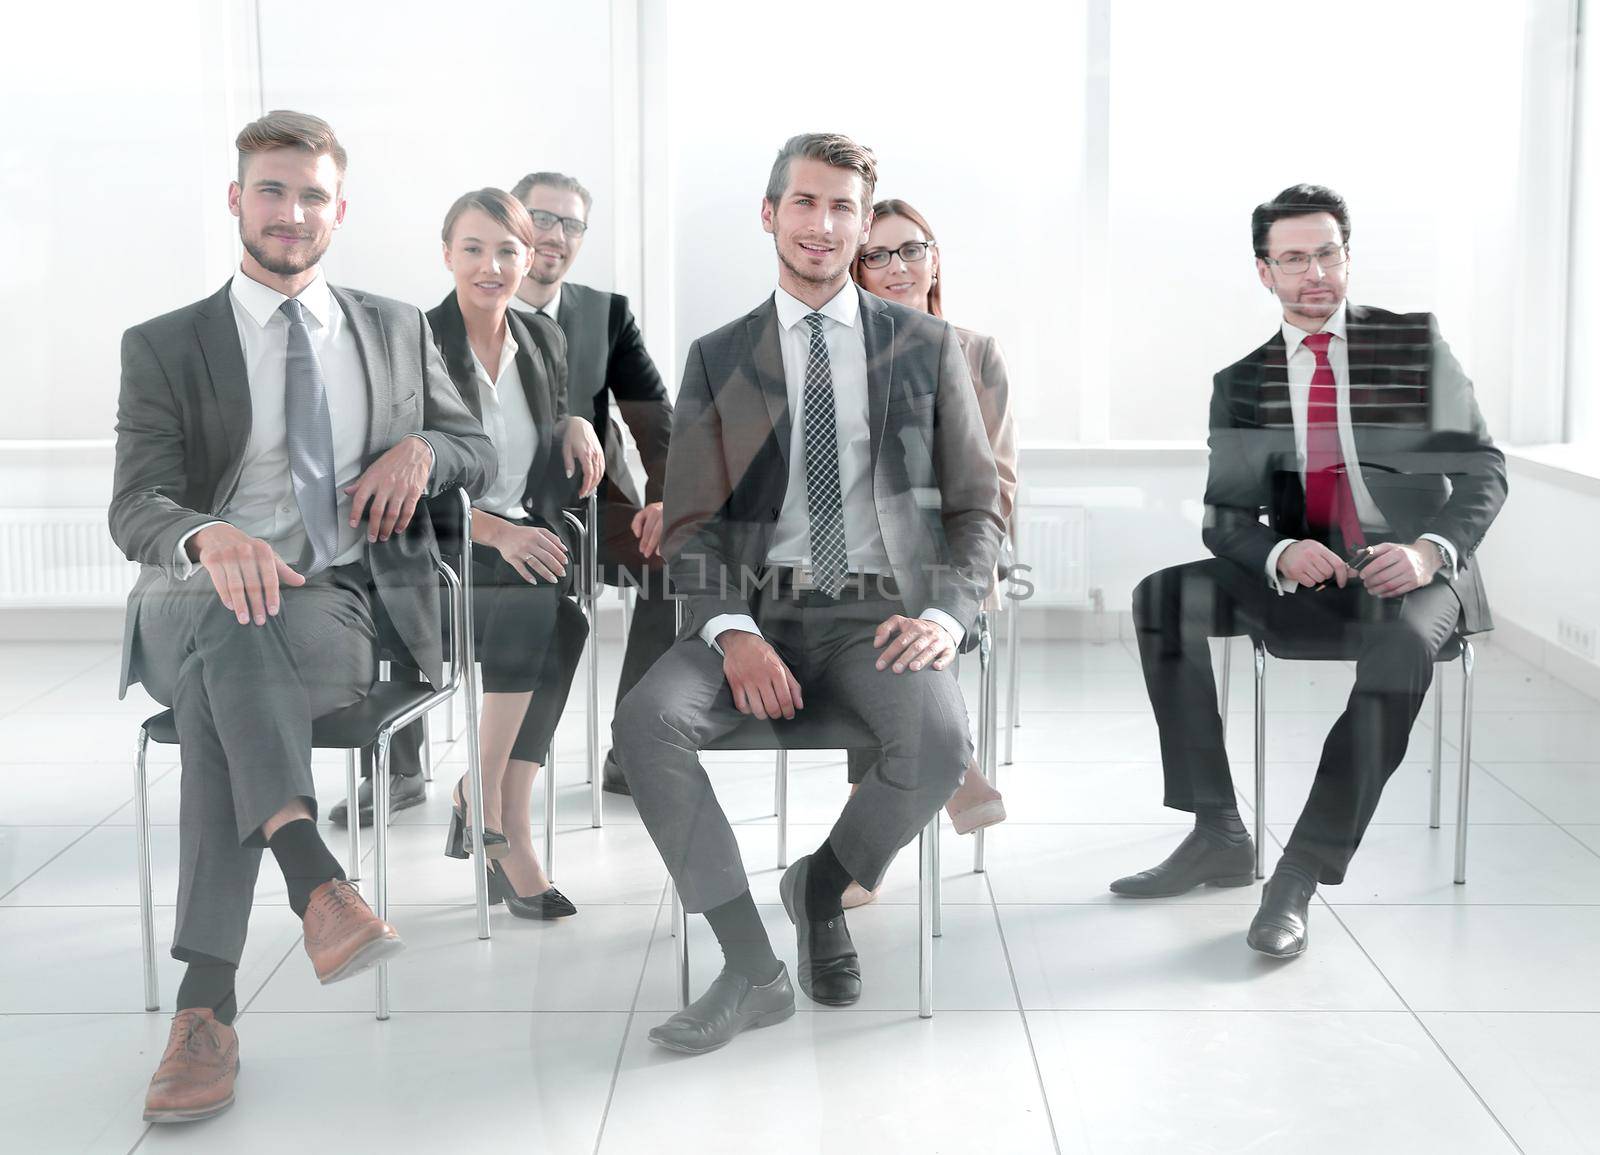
[(580, 446), (534, 552)]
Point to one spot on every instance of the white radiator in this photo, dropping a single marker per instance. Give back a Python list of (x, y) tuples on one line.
[(61, 557), (1053, 540)]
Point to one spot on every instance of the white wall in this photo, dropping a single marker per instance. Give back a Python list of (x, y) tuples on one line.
[(432, 100), (975, 117)]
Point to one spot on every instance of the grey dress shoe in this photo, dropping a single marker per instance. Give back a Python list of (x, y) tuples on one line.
[(1279, 927), (405, 791), (1201, 859), (731, 1004)]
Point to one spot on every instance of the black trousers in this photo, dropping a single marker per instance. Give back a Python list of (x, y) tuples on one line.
[(654, 626), (1393, 640)]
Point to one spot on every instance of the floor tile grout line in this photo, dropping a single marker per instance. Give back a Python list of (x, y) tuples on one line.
[(1536, 809), (1333, 913), (627, 1027), (22, 705), (1022, 1014)]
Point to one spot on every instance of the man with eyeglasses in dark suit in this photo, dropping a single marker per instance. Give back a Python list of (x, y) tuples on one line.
[(1356, 432), (607, 361)]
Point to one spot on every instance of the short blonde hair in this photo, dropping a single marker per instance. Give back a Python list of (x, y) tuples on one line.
[(282, 128)]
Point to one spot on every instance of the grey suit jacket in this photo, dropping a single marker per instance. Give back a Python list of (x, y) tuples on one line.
[(933, 473), (183, 421)]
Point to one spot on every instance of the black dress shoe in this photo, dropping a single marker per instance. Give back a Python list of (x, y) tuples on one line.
[(611, 779), (545, 905), (1279, 927), (830, 969), (730, 1005), (405, 791), (1201, 859)]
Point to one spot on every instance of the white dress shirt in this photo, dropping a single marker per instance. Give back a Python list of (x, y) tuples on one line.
[(1302, 365), (509, 423), (549, 309), (847, 360), (263, 503)]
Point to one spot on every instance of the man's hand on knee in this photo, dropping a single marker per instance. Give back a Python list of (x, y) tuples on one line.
[(762, 685), (916, 643), (244, 569)]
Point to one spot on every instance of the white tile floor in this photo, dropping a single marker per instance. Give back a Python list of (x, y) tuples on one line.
[(1426, 1017)]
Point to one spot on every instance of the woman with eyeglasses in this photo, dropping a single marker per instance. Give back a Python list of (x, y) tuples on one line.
[(900, 262), (511, 369)]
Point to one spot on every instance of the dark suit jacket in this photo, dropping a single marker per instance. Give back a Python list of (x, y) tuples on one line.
[(183, 421), (1424, 451), (542, 365), (933, 473), (606, 358)]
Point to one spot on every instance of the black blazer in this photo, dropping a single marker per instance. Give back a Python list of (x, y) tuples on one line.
[(1424, 451), (541, 361), (606, 359)]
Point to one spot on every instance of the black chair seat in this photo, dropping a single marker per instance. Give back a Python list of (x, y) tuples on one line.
[(1324, 649), (813, 728), (351, 728)]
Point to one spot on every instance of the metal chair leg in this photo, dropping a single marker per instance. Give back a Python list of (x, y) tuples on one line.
[(783, 808), (450, 719), (1013, 677), (1261, 759), (427, 751), (147, 912), (380, 856), (674, 927), (1227, 677), (1436, 782), (352, 785), (550, 812), (926, 871), (480, 862), (987, 704), (680, 916), (935, 887), (590, 604), (1467, 657)]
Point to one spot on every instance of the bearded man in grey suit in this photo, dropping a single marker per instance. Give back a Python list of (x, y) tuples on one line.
[(273, 442), (833, 518)]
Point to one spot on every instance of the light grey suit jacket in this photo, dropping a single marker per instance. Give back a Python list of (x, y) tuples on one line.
[(183, 421), (933, 473)]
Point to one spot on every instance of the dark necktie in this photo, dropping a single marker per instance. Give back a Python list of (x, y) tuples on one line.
[(824, 500), (310, 429), (1330, 502)]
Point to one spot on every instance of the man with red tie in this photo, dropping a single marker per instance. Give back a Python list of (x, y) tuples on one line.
[(1356, 432)]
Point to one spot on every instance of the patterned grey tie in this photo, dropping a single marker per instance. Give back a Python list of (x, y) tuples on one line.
[(305, 403), (824, 500)]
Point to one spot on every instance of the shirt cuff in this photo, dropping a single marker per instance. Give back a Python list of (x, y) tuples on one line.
[(1442, 543), (742, 622), (1281, 584), (939, 617), (433, 457), (183, 566)]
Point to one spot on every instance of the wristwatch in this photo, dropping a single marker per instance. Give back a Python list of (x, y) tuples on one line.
[(1445, 568)]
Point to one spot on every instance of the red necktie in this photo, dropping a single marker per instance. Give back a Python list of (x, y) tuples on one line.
[(1329, 502)]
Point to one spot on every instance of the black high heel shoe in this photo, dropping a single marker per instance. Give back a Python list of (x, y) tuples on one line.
[(546, 905), (456, 842)]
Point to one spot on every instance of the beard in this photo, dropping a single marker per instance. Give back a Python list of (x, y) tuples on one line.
[(288, 264), (823, 276)]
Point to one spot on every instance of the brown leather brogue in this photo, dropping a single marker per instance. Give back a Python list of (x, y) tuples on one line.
[(195, 1078), (343, 936)]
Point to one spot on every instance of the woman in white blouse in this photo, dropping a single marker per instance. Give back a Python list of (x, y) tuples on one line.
[(511, 370)]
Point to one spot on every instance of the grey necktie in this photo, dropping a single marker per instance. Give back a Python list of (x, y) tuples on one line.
[(824, 502), (305, 402)]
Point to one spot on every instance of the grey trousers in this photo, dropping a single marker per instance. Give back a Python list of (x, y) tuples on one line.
[(244, 698), (684, 703)]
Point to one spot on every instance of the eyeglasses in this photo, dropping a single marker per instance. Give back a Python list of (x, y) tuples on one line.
[(911, 252), (572, 226), (1330, 257)]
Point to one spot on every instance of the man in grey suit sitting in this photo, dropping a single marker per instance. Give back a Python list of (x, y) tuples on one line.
[(833, 516), (273, 442)]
